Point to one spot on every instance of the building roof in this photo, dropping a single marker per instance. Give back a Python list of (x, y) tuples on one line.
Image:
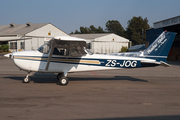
[(97, 37), (69, 38), (90, 36), (19, 29), (167, 22)]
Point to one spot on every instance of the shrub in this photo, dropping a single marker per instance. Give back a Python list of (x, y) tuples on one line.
[(4, 48), (124, 49)]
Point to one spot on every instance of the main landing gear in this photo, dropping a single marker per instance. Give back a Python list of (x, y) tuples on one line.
[(62, 80)]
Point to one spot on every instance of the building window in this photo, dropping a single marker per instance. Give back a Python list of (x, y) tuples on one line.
[(167, 22), (174, 20), (22, 45), (13, 45)]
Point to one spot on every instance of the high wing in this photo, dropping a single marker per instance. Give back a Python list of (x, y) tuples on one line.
[(66, 45)]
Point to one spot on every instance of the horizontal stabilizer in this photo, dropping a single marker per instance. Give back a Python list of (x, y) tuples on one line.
[(165, 64)]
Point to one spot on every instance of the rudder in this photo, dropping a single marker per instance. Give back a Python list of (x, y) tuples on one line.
[(160, 48)]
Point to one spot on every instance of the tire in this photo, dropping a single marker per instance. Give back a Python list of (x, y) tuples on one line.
[(63, 81), (26, 79)]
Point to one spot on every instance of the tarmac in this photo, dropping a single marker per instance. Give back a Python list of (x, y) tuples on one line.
[(127, 94)]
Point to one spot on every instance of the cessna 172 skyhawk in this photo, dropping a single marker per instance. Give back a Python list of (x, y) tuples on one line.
[(64, 54)]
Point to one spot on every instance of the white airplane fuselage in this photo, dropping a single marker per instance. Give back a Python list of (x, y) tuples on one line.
[(36, 61)]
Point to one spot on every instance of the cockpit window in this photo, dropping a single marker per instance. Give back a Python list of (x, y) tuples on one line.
[(61, 51), (44, 48), (75, 51), (64, 48)]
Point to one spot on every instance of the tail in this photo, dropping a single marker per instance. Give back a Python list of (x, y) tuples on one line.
[(160, 48)]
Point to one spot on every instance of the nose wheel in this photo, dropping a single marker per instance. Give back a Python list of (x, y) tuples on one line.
[(26, 79), (62, 80)]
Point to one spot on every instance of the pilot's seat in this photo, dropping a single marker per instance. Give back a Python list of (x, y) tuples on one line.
[(61, 52), (56, 51)]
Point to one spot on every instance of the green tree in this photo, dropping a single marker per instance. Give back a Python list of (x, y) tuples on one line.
[(100, 30), (85, 30), (113, 26), (91, 29), (76, 32), (4, 48), (96, 30), (137, 26)]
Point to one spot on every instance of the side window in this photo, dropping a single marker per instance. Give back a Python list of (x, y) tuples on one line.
[(61, 51), (75, 52)]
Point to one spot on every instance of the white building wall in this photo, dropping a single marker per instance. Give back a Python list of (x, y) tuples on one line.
[(38, 37), (107, 47), (108, 44), (112, 37), (41, 41), (28, 44), (18, 46), (34, 43), (45, 30)]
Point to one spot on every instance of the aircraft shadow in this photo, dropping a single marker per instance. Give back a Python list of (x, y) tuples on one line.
[(106, 78), (53, 79), (170, 117)]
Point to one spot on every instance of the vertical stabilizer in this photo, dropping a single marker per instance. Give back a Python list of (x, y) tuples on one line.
[(160, 48)]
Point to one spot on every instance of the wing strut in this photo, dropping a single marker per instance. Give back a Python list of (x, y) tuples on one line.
[(50, 54)]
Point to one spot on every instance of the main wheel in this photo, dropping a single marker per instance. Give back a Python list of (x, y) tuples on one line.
[(63, 81), (26, 79)]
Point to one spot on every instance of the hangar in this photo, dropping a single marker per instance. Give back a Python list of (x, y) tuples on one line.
[(104, 42), (172, 25), (27, 36)]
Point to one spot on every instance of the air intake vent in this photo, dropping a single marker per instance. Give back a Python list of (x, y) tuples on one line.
[(12, 25), (28, 24)]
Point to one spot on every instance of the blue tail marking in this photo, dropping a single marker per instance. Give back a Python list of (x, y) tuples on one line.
[(160, 48)]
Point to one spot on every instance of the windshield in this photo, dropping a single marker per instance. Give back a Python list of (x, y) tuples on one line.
[(44, 48), (64, 48)]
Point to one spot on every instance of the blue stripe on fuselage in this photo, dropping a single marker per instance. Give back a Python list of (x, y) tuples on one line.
[(102, 62)]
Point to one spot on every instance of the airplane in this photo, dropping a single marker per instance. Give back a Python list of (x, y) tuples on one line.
[(65, 54)]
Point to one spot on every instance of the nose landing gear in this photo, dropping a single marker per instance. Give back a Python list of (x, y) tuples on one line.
[(27, 78)]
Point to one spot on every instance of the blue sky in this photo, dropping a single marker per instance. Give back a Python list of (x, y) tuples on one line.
[(69, 15)]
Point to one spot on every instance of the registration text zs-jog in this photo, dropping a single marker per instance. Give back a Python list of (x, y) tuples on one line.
[(125, 63)]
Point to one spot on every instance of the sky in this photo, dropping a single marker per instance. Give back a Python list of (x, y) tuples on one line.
[(70, 15)]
